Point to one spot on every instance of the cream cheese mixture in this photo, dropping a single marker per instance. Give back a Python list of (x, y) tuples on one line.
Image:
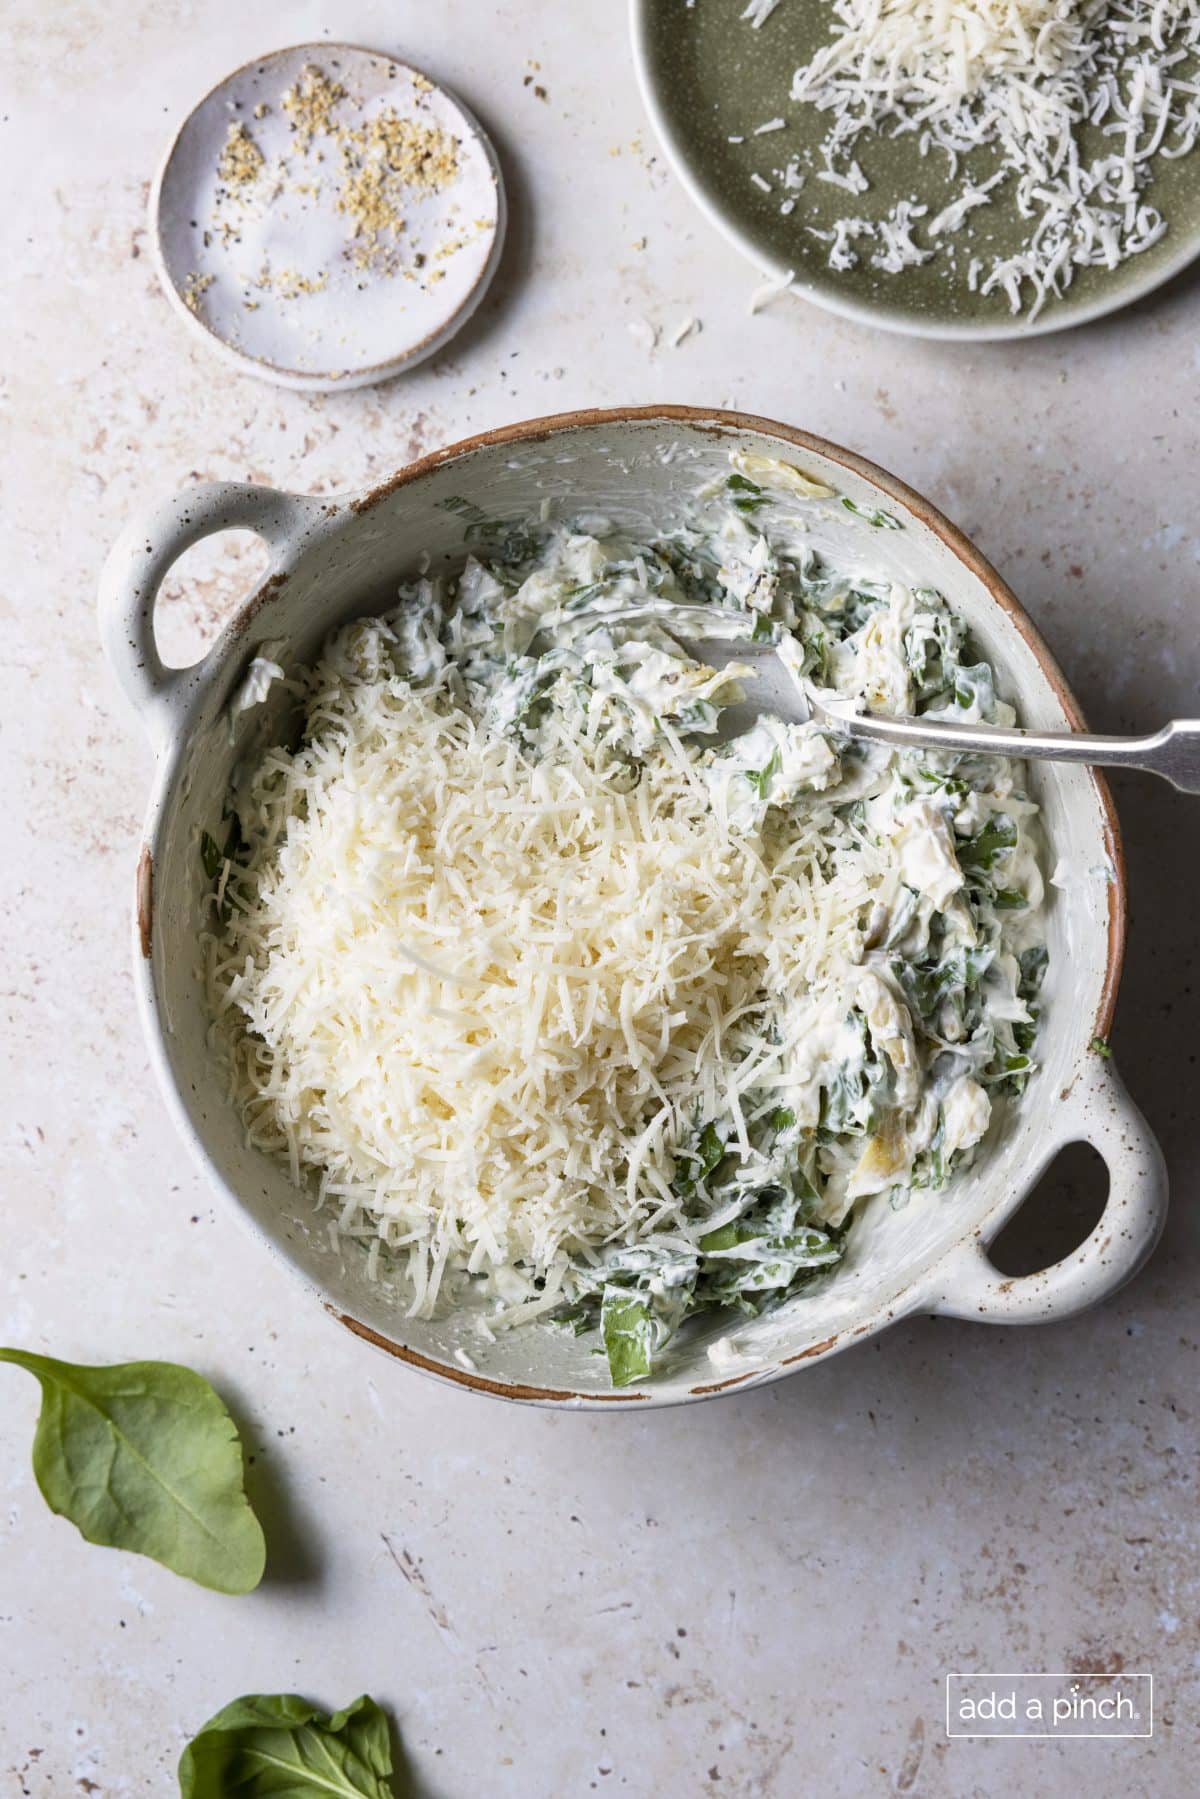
[(559, 992)]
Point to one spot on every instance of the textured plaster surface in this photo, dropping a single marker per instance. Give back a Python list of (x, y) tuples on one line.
[(760, 1596)]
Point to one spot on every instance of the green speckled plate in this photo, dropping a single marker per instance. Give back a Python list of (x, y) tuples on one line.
[(707, 76)]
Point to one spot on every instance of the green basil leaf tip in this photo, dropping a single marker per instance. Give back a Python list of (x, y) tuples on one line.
[(277, 1744), (628, 1333), (144, 1456), (210, 856)]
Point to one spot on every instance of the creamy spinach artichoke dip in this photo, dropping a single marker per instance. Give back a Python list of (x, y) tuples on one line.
[(553, 990)]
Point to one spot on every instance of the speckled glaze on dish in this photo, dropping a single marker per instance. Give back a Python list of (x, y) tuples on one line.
[(333, 560), (706, 75), (363, 325)]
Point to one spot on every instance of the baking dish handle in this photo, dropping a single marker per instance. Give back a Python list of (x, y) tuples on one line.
[(142, 556), (1096, 1109)]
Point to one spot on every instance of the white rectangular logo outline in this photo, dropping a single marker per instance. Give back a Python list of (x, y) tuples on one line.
[(1117, 1736)]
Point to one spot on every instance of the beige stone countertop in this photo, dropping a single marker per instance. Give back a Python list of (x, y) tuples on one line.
[(760, 1596)]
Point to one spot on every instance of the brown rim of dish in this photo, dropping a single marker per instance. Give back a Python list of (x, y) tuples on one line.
[(144, 901), (722, 423), (391, 366), (477, 1382)]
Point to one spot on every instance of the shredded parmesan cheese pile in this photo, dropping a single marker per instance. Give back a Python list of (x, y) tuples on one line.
[(486, 996), (939, 51), (1020, 80)]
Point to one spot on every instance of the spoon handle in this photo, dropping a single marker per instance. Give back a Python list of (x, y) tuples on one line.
[(1173, 752)]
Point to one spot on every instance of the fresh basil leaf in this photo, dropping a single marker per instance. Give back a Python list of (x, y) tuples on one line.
[(278, 1746), (925, 988), (577, 1319), (628, 1331), (742, 1242), (144, 1456), (696, 1163), (997, 837), (1033, 968), (467, 509), (760, 779), (974, 686), (883, 521), (213, 858), (210, 856), (724, 1237), (712, 1148), (748, 496), (754, 1271)]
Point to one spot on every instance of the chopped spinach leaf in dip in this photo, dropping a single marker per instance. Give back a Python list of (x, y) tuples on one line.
[(567, 999)]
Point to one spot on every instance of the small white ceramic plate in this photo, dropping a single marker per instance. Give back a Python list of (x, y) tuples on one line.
[(327, 243)]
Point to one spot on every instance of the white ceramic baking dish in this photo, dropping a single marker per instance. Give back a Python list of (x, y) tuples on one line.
[(336, 559)]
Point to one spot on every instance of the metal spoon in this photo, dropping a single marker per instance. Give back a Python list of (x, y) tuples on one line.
[(1172, 752)]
